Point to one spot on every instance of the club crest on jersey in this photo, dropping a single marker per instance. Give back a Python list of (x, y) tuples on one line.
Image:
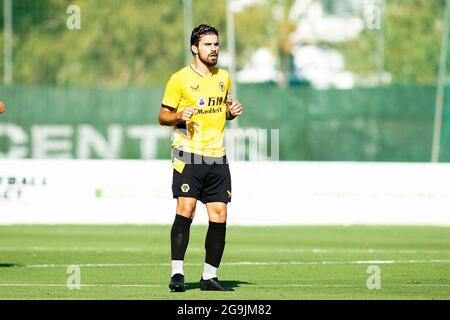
[(222, 86), (201, 102)]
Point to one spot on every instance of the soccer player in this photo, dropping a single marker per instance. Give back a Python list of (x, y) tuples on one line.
[(197, 102)]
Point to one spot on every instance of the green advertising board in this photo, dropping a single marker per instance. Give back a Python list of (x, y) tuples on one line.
[(392, 123)]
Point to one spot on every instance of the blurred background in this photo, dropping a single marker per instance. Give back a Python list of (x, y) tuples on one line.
[(346, 109), (344, 80), (346, 124)]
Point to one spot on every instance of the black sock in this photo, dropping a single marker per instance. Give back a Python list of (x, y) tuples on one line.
[(179, 236), (215, 243)]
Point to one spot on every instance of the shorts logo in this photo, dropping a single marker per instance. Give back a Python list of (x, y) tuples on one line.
[(222, 86), (229, 193), (185, 187), (201, 102)]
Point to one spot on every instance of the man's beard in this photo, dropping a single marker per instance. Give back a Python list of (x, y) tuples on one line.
[(207, 62)]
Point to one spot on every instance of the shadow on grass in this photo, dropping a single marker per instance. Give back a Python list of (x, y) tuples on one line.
[(10, 265), (227, 283)]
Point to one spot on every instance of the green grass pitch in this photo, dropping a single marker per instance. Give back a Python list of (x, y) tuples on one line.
[(280, 263)]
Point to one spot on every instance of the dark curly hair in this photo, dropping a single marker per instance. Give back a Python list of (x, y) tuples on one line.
[(199, 31)]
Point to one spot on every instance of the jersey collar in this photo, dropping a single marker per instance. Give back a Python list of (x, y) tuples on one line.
[(201, 74)]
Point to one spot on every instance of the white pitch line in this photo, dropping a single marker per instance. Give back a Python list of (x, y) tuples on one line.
[(337, 262), (242, 286), (81, 285), (100, 265), (245, 250), (240, 263), (346, 285), (99, 249), (336, 250)]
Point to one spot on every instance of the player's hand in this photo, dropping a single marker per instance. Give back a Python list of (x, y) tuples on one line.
[(235, 108), (186, 114), (2, 107)]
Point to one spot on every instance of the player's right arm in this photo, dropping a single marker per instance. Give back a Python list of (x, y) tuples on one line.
[(169, 114), (170, 117)]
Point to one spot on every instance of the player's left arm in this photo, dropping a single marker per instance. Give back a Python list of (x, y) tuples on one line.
[(234, 109)]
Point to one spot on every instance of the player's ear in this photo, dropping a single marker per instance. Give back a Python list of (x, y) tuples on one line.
[(194, 49)]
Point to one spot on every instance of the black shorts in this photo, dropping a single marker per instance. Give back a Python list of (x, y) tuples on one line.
[(204, 178)]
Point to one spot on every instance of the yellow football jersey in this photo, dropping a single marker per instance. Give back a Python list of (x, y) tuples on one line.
[(204, 133)]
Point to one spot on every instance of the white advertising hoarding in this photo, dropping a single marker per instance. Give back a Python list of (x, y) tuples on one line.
[(264, 193)]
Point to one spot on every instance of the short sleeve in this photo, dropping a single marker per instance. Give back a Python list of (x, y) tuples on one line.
[(229, 87), (172, 94)]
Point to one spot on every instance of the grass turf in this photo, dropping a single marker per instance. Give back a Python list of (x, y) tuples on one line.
[(292, 263)]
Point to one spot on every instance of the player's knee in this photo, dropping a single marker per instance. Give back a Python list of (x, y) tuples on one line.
[(218, 216), (186, 209)]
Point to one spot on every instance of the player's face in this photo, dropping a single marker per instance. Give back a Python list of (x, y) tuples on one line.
[(208, 49)]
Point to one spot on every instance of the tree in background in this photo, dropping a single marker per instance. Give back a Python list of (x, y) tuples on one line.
[(121, 43), (140, 42), (412, 39)]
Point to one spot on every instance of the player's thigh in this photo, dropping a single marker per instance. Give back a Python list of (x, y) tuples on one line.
[(186, 206)]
